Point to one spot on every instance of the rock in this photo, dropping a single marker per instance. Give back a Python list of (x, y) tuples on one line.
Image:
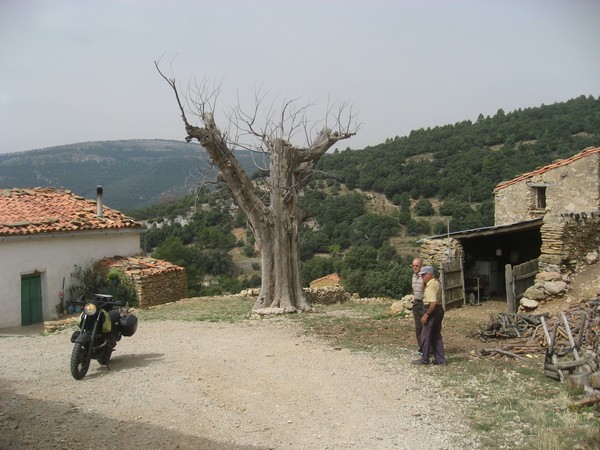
[(595, 380), (401, 305), (396, 307), (591, 257), (251, 292), (529, 304), (548, 276), (555, 287), (535, 293)]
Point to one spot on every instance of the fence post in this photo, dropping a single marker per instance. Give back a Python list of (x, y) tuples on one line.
[(510, 289)]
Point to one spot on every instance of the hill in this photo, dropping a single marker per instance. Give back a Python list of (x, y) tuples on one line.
[(134, 173)]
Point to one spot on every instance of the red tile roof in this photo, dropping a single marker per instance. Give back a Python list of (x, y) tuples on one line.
[(332, 277), (562, 162), (47, 210), (141, 266)]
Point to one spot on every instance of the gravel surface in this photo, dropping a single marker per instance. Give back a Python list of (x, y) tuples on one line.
[(196, 385)]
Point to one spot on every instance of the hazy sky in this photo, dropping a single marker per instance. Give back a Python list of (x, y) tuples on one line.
[(74, 71)]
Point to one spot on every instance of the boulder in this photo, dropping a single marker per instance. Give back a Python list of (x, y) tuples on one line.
[(591, 257), (397, 307), (555, 287), (548, 276), (529, 304), (536, 292)]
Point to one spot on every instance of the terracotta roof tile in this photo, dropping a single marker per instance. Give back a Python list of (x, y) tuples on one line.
[(46, 210), (141, 266), (562, 162)]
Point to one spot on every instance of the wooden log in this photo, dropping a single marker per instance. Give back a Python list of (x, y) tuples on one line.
[(585, 402), (565, 365), (551, 346), (501, 351)]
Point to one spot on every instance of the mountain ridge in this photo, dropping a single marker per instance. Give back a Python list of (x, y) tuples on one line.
[(134, 173)]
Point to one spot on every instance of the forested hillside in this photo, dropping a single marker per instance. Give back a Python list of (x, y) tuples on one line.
[(134, 173), (461, 164), (425, 181)]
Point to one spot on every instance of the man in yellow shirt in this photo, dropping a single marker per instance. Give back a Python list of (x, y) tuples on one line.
[(431, 335)]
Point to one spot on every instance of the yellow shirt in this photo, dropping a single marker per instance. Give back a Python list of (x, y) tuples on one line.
[(433, 292)]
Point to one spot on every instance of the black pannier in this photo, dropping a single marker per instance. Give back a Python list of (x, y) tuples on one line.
[(129, 324)]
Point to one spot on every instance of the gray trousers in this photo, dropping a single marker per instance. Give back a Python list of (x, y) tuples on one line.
[(431, 337)]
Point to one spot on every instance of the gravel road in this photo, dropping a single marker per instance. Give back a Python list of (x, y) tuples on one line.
[(196, 385)]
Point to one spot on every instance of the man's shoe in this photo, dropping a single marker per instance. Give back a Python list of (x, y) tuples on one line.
[(435, 363), (420, 362)]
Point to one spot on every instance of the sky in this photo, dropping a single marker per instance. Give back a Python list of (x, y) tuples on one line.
[(83, 70)]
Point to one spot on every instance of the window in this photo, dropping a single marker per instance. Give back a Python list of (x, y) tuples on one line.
[(540, 197)]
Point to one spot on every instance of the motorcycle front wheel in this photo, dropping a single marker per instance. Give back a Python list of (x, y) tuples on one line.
[(80, 363)]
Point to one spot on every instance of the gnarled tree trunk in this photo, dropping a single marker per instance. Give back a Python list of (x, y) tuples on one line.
[(275, 226)]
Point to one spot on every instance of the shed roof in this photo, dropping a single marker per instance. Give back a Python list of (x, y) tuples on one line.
[(562, 162), (47, 210), (490, 231)]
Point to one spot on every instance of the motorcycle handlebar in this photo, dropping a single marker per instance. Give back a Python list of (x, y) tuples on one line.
[(98, 299)]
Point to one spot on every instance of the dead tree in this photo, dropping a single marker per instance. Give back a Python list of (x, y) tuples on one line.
[(276, 223)]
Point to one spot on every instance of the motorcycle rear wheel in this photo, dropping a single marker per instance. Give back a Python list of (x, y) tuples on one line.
[(80, 363)]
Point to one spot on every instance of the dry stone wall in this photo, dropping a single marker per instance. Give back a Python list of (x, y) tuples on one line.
[(567, 243), (437, 251)]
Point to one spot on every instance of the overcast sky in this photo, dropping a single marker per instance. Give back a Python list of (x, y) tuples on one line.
[(75, 71)]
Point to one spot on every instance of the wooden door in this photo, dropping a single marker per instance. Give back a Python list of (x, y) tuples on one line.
[(31, 299), (452, 279)]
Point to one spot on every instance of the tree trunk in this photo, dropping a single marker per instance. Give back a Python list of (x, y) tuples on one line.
[(278, 238)]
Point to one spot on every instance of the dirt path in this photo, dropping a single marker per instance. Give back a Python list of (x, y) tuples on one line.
[(213, 386)]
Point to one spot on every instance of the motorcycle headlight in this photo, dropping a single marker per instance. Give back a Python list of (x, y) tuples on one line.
[(90, 309)]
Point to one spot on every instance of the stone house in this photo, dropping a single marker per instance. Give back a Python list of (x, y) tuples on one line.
[(551, 213)]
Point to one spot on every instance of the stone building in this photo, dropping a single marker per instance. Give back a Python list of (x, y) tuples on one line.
[(550, 214), (44, 234), (566, 195), (155, 281)]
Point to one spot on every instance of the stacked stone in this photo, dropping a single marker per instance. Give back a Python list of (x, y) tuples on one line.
[(159, 288), (437, 251), (552, 250), (327, 295)]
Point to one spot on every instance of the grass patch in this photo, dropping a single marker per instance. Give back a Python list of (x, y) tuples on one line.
[(205, 309)]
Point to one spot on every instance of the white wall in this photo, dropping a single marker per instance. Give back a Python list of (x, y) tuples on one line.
[(54, 257)]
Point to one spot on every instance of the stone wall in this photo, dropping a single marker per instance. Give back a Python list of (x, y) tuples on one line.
[(328, 295), (159, 288), (436, 251), (571, 186), (566, 243)]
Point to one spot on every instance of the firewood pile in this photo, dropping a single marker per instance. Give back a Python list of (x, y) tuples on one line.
[(569, 339)]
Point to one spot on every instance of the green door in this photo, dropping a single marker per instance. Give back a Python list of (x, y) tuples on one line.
[(31, 299)]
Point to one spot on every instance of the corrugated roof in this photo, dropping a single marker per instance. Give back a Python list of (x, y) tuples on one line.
[(562, 162), (489, 231), (46, 210)]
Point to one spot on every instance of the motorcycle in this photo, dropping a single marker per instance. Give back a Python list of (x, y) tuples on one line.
[(101, 325)]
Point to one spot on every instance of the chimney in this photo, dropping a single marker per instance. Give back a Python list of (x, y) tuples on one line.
[(99, 208)]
